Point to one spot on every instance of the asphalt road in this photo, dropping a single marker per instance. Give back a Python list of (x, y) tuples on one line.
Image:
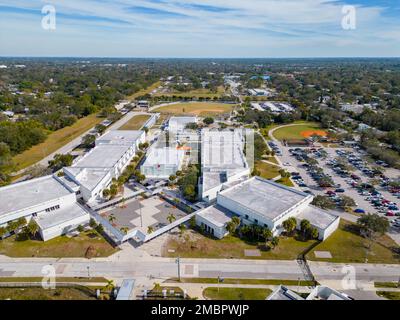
[(165, 268), (77, 141)]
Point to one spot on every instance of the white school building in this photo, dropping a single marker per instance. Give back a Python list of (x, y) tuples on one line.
[(267, 204), (222, 161), (163, 162), (49, 202), (108, 159), (52, 200)]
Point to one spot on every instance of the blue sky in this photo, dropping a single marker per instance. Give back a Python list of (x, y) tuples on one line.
[(200, 28)]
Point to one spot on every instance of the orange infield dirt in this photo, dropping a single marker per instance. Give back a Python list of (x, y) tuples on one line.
[(309, 133)]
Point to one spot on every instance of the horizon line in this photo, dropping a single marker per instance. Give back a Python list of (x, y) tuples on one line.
[(204, 58)]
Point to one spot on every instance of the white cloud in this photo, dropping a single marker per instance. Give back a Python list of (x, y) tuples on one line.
[(240, 28)]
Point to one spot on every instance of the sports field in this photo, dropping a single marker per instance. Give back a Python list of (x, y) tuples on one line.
[(198, 93), (298, 131), (136, 123), (196, 108)]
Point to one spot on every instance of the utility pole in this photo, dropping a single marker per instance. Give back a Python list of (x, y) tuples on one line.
[(178, 261), (88, 271)]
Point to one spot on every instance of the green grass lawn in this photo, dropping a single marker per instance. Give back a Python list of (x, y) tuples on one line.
[(144, 91), (58, 279), (63, 246), (196, 108), (389, 295), (344, 244), (271, 159), (198, 93), (157, 293), (286, 182), (55, 141), (33, 293), (347, 246), (233, 247), (267, 171), (236, 293), (386, 285), (294, 132), (136, 123)]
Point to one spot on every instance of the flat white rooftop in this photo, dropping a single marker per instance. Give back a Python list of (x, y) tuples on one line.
[(164, 156), (102, 156), (283, 293), (30, 193), (88, 177), (120, 137), (58, 217), (222, 149), (264, 197), (216, 215), (216, 177), (318, 217), (179, 123)]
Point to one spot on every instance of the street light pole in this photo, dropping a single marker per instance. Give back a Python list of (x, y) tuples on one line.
[(178, 261), (140, 213)]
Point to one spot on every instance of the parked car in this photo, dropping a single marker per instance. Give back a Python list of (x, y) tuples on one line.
[(358, 210)]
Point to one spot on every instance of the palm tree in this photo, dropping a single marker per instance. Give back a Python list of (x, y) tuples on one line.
[(112, 218), (182, 228), (236, 221), (150, 230), (171, 218), (124, 230), (267, 234), (274, 242), (33, 228), (123, 203), (110, 285), (289, 225)]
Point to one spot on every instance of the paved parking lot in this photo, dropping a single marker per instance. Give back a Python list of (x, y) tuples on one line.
[(293, 165)]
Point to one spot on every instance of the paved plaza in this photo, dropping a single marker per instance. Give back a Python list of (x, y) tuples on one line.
[(152, 212)]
